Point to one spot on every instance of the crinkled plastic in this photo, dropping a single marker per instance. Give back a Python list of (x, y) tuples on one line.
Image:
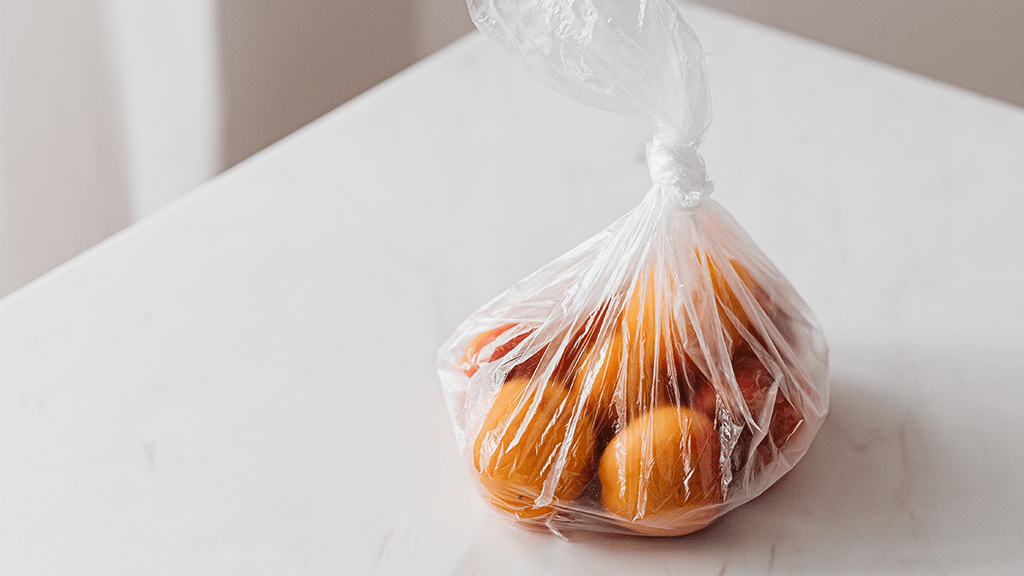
[(663, 372)]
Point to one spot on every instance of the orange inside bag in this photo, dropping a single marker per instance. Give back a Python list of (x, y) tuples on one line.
[(663, 372), (645, 421)]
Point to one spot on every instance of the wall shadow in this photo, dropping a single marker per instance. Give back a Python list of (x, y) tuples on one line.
[(964, 44), (283, 64)]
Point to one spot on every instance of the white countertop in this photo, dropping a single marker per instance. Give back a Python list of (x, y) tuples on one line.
[(245, 383)]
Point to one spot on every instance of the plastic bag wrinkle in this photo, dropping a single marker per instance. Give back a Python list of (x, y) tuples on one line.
[(663, 372)]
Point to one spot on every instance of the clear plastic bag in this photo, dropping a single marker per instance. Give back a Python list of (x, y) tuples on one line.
[(663, 372)]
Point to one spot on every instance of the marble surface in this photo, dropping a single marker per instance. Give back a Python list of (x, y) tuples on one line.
[(244, 383)]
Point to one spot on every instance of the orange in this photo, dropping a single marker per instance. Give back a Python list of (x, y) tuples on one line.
[(575, 347), (471, 359), (660, 474), (533, 434), (728, 305), (469, 362), (635, 366)]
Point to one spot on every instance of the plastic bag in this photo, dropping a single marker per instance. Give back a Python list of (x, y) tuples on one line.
[(663, 372)]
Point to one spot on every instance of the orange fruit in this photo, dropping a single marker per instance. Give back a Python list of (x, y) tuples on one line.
[(531, 434), (621, 384), (635, 366), (728, 305), (649, 322), (469, 362), (660, 474), (471, 358), (574, 347)]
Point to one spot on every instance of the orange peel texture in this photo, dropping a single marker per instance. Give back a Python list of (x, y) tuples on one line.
[(728, 305), (660, 475), (530, 433), (636, 365)]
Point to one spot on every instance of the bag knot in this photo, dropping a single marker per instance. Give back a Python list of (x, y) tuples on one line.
[(678, 168)]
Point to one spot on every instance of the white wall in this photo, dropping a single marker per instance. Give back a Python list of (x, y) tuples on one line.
[(165, 55)]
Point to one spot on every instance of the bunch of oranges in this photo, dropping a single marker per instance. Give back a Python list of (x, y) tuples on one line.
[(635, 424)]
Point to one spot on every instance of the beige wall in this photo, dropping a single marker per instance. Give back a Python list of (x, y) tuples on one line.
[(284, 64), (63, 166), (977, 44)]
